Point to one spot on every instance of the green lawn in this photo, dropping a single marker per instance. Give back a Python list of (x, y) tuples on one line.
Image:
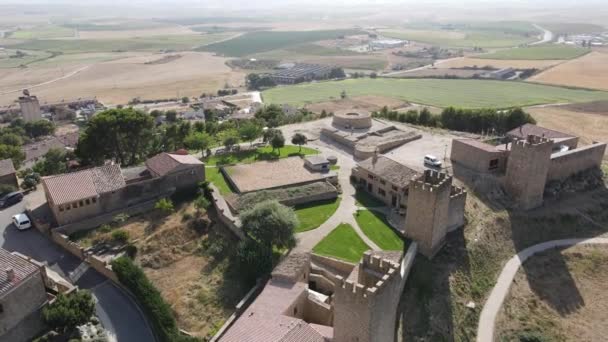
[(213, 175), (312, 215), (435, 92), (342, 243), (185, 42), (262, 153), (256, 42), (537, 53), (377, 229), (364, 199)]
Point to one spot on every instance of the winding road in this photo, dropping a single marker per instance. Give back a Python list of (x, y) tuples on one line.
[(487, 320)]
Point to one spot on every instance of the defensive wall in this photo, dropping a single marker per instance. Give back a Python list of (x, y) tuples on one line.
[(568, 163)]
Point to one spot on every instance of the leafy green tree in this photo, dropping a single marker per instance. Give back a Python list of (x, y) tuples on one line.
[(299, 139), (11, 139), (69, 311), (277, 141), (424, 117), (253, 260), (337, 73), (123, 135), (198, 126), (185, 99), (39, 128), (270, 224), (12, 152), (171, 116), (249, 131), (198, 141), (54, 163), (30, 180), (201, 203), (229, 138), (272, 115)]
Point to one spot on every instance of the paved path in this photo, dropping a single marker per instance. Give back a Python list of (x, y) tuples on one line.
[(487, 320)]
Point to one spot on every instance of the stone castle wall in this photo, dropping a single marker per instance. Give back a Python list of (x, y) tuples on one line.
[(568, 163)]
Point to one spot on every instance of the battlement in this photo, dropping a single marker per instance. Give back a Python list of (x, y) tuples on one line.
[(431, 180), (532, 141), (457, 192)]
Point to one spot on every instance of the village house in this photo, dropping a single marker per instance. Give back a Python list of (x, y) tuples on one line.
[(76, 196), (8, 175), (22, 296)]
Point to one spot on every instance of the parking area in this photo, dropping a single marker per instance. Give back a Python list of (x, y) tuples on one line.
[(412, 154)]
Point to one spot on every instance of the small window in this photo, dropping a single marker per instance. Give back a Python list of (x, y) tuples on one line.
[(295, 311), (81, 203), (383, 182), (382, 192), (67, 207), (370, 176), (60, 208), (1, 308), (394, 188), (94, 200), (75, 205), (87, 201), (493, 164)]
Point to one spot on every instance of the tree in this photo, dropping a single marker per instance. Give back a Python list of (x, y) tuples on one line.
[(425, 117), (250, 131), (337, 73), (122, 135), (277, 141), (229, 138), (272, 115), (373, 75), (171, 116), (30, 180), (69, 311), (299, 139), (54, 163), (201, 203), (270, 224), (12, 152), (39, 128), (11, 139), (185, 99), (343, 94), (198, 141)]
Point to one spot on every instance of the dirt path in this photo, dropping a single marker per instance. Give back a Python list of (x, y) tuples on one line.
[(487, 320), (48, 82)]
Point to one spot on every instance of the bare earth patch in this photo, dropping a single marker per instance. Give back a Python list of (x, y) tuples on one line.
[(589, 71), (560, 295), (496, 63)]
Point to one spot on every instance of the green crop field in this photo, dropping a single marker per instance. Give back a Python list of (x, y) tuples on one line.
[(465, 38), (43, 32), (186, 42), (538, 53), (256, 42), (434, 92), (572, 28), (6, 61)]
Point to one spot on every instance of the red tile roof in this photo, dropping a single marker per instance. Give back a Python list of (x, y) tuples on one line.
[(389, 170), (6, 167), (523, 131), (478, 144), (22, 268), (71, 187), (165, 163)]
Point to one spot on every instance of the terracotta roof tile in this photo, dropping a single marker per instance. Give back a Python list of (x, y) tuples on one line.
[(390, 170), (523, 131), (71, 187), (22, 268), (165, 163), (6, 167)]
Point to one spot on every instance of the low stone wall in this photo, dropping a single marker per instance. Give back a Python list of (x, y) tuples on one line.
[(568, 163), (365, 151), (70, 246), (224, 214), (339, 265), (102, 267)]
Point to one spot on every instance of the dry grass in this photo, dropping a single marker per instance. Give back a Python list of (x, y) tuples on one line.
[(117, 82), (589, 71), (589, 127), (497, 63), (559, 294), (148, 32), (370, 103)]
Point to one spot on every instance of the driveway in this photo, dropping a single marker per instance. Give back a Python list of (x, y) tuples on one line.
[(117, 312)]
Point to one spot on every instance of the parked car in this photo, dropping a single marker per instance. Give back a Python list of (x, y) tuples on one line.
[(10, 199), (22, 222), (432, 161)]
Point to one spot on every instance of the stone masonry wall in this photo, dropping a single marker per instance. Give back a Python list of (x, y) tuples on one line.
[(458, 199), (568, 163)]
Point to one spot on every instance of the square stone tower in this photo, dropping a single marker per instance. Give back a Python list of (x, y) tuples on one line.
[(428, 211), (527, 170), (30, 107)]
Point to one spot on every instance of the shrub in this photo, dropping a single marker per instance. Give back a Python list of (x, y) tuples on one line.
[(105, 228), (120, 219), (186, 216), (6, 188), (69, 311), (157, 310), (131, 251), (120, 235), (165, 206)]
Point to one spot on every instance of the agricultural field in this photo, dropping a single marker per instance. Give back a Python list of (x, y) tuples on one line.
[(434, 92), (257, 42), (558, 295), (12, 59), (42, 32), (544, 52), (589, 71), (496, 63), (484, 35), (572, 28)]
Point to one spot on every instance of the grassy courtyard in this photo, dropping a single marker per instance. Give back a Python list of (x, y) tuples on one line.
[(214, 176), (377, 229), (537, 53), (262, 153), (364, 199), (435, 92), (342, 243), (312, 215)]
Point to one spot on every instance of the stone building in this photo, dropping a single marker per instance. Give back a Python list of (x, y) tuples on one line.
[(8, 174), (30, 107), (434, 208), (385, 179), (559, 139), (22, 296), (76, 196)]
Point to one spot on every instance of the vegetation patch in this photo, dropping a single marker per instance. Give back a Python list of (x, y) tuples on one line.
[(256, 42), (259, 154), (537, 53), (377, 229), (283, 195), (213, 175), (342, 243), (312, 215), (441, 93)]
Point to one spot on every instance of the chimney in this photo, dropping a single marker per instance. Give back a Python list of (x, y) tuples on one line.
[(10, 274)]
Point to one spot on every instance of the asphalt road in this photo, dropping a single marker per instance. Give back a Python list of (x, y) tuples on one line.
[(117, 312)]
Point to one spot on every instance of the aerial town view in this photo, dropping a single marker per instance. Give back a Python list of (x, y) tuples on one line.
[(303, 171)]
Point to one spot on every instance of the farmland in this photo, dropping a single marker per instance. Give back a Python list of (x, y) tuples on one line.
[(441, 93), (589, 71), (537, 53), (43, 32), (497, 63), (257, 42)]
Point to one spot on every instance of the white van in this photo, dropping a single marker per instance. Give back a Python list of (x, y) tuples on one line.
[(432, 161), (22, 222)]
